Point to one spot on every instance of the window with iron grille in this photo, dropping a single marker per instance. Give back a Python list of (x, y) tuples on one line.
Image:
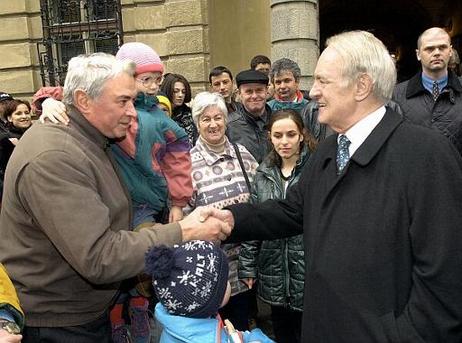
[(74, 27)]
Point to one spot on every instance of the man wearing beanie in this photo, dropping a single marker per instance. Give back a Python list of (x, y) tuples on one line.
[(191, 283), (247, 123)]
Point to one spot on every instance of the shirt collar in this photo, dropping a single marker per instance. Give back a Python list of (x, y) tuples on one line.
[(358, 133), (427, 82)]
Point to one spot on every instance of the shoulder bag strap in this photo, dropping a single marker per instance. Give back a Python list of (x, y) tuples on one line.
[(239, 158)]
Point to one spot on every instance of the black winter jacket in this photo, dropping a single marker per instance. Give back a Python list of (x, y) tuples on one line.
[(244, 129), (444, 114), (278, 265)]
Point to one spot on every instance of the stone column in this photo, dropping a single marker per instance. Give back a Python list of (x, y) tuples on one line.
[(295, 34)]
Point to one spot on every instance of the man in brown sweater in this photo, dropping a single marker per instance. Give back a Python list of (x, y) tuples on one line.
[(65, 221)]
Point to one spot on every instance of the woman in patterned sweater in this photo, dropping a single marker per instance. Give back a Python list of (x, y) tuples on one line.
[(219, 180)]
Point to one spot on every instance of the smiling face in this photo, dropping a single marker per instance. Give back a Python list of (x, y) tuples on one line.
[(253, 97), (179, 93), (21, 117), (434, 52), (212, 125), (112, 112), (286, 138), (285, 85), (334, 94)]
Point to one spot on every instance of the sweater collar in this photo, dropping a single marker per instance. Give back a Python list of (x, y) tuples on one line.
[(211, 157)]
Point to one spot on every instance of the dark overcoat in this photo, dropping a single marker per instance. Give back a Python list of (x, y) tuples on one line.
[(383, 239)]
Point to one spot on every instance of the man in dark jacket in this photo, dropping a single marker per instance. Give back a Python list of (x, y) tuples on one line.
[(433, 97), (382, 228), (247, 124)]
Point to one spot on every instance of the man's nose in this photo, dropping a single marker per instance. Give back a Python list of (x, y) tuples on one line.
[(131, 111), (314, 92)]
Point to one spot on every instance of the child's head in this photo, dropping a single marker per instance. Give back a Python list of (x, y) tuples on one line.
[(164, 104), (190, 280), (149, 67)]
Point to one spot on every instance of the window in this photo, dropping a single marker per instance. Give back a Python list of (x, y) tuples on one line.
[(73, 27)]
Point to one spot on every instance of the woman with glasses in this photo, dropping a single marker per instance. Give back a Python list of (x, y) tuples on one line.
[(178, 91)]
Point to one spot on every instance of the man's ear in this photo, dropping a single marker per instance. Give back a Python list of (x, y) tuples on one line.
[(82, 101), (364, 87), (417, 53)]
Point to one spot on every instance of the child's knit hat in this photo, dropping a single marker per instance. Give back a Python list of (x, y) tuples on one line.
[(189, 280), (145, 58), (165, 101)]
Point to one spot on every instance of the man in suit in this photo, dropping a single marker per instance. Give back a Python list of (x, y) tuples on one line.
[(379, 205)]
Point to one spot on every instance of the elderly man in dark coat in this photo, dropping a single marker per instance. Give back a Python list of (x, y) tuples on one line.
[(382, 229)]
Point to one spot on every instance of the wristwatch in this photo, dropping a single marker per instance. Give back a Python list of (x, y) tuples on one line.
[(10, 327)]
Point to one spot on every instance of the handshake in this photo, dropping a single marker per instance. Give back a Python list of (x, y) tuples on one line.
[(207, 223)]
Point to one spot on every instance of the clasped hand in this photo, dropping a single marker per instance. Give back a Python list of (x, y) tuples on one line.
[(207, 223)]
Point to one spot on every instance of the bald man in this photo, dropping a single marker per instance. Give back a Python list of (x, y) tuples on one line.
[(433, 97)]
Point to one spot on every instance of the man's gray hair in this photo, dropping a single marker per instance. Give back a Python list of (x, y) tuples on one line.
[(285, 64), (90, 72), (207, 99), (363, 53)]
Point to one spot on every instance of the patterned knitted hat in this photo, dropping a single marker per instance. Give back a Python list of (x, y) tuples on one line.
[(145, 58), (189, 280)]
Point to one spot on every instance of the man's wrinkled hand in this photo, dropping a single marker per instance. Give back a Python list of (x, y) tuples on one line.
[(223, 215), (201, 224)]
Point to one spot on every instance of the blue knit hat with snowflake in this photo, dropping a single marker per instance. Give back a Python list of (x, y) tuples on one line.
[(190, 279)]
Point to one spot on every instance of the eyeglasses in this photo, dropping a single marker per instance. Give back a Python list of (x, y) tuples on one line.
[(149, 81)]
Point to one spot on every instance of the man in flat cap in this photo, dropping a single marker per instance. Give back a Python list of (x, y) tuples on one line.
[(246, 125)]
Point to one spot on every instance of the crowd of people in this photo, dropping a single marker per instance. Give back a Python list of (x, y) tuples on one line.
[(133, 211)]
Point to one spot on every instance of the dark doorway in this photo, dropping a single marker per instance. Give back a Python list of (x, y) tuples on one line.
[(397, 23)]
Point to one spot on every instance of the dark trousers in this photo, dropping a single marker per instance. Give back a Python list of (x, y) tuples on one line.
[(237, 311), (287, 324), (97, 331)]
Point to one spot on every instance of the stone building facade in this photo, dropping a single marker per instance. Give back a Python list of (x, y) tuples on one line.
[(192, 36)]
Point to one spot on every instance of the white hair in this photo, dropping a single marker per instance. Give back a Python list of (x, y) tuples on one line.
[(90, 72), (361, 53), (207, 99)]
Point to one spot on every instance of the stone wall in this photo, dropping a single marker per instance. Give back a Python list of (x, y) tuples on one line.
[(176, 29), (20, 30), (295, 34)]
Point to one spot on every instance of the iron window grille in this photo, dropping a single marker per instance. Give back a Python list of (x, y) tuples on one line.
[(73, 27)]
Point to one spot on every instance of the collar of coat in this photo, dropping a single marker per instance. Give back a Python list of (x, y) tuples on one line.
[(87, 129), (371, 146), (415, 86), (250, 117)]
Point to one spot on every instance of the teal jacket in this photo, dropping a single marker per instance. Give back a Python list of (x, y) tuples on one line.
[(161, 165), (297, 106), (278, 265)]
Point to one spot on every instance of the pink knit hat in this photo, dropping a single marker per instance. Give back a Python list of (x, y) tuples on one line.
[(146, 59)]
